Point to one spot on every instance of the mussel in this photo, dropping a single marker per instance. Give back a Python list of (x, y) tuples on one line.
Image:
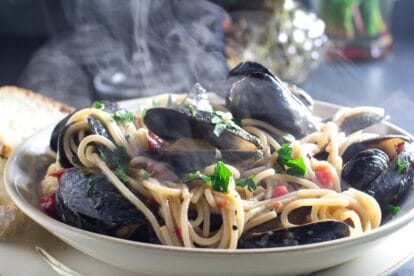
[(358, 118), (247, 68), (194, 141), (89, 200), (299, 235), (264, 97), (381, 167)]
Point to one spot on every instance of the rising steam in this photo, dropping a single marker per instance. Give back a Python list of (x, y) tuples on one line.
[(131, 48)]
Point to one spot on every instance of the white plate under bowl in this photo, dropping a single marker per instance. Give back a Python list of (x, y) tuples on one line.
[(28, 164)]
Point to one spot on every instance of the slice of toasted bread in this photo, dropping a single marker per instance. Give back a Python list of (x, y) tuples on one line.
[(22, 113)]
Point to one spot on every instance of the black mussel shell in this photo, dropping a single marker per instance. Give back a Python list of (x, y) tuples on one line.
[(299, 235), (362, 169), (246, 68), (173, 124), (386, 143), (90, 201), (392, 185), (355, 121), (56, 132), (263, 97)]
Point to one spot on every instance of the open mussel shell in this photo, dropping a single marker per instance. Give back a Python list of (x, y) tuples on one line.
[(299, 235), (359, 118), (263, 97), (172, 124), (90, 201)]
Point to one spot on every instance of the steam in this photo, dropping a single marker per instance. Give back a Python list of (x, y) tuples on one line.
[(132, 48)]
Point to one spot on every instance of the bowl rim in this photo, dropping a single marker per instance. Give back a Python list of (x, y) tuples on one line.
[(46, 221)]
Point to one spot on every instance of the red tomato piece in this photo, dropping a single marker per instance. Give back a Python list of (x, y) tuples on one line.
[(179, 233), (48, 205), (58, 173), (222, 203), (155, 142), (279, 191), (324, 176)]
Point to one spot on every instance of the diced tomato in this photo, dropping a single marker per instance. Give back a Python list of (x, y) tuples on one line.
[(179, 233), (279, 191), (155, 142), (400, 147), (48, 205), (160, 171), (153, 202), (277, 206), (222, 203), (58, 173), (324, 176)]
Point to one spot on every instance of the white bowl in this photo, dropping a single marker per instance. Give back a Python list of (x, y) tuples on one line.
[(28, 164)]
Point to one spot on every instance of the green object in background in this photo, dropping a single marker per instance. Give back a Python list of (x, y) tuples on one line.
[(353, 18)]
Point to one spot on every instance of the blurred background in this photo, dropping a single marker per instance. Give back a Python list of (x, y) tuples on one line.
[(350, 52)]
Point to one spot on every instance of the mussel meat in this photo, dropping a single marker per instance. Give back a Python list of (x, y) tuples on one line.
[(299, 235)]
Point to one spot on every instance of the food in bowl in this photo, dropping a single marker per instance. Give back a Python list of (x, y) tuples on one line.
[(258, 171)]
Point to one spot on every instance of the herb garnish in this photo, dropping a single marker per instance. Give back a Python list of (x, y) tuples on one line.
[(295, 166), (402, 165), (122, 175), (394, 208), (122, 116), (91, 183), (117, 159), (248, 182), (98, 105), (146, 176), (192, 176), (220, 178), (219, 124)]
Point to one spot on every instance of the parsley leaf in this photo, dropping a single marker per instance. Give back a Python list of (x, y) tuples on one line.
[(402, 165), (191, 109), (219, 128), (237, 121), (192, 176), (248, 182), (284, 154), (98, 105), (90, 184), (122, 116), (295, 166), (220, 178), (146, 176), (393, 208), (122, 175)]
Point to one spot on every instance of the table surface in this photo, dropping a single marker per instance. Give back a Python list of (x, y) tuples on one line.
[(387, 83)]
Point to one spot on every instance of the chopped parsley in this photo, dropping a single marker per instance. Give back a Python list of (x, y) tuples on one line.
[(219, 124), (247, 183), (98, 105), (237, 121), (191, 109), (193, 176), (146, 176), (394, 208), (91, 183), (122, 175), (122, 116), (220, 178), (402, 165), (295, 166)]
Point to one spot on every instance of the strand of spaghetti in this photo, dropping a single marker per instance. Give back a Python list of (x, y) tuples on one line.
[(153, 185), (165, 209), (210, 198), (263, 218), (234, 231), (97, 139), (308, 202), (262, 175), (137, 186), (184, 220), (248, 205), (297, 180), (200, 217), (206, 241), (261, 124), (197, 192), (130, 197), (206, 216), (262, 137), (226, 231), (167, 239), (369, 204), (254, 212)]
